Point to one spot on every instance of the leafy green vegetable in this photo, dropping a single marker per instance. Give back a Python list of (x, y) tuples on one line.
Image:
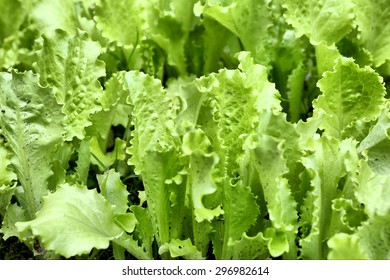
[(170, 129)]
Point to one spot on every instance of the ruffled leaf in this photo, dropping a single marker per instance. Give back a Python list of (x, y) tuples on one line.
[(73, 220), (69, 64), (31, 122), (350, 94), (321, 20)]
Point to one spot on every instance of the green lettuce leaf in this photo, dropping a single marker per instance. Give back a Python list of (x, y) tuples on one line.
[(249, 20), (6, 173), (197, 146), (14, 13), (70, 66), (374, 28), (154, 153), (376, 144), (347, 99), (48, 15), (111, 17), (73, 220), (329, 162), (31, 123), (345, 247), (181, 248), (371, 241), (373, 190), (325, 21), (114, 190)]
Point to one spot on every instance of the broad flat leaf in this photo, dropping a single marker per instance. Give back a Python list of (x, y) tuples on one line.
[(31, 122), (69, 64), (321, 20), (350, 94), (372, 19), (73, 220)]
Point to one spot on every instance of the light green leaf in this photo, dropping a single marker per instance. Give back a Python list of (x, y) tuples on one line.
[(132, 246), (268, 159), (295, 86), (346, 216), (374, 237), (48, 15), (277, 242), (350, 94), (114, 190), (154, 151), (267, 156), (321, 20), (373, 190), (181, 248), (107, 159), (73, 220), (6, 174), (346, 247), (31, 122), (69, 64), (13, 215), (197, 146), (249, 248), (372, 19), (13, 14), (171, 29), (144, 227), (330, 162), (326, 57), (127, 221), (249, 20), (111, 17), (83, 161), (376, 145), (220, 111), (6, 193)]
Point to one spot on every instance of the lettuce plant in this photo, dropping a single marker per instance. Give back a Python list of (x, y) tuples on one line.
[(213, 129)]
